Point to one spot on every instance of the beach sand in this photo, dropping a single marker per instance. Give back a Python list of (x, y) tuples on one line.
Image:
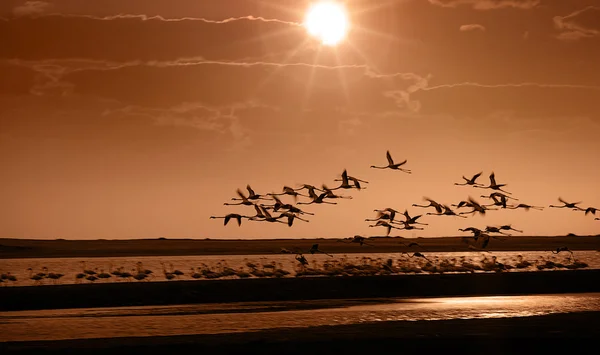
[(549, 334)]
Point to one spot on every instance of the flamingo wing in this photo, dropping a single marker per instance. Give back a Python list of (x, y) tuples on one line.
[(389, 158)]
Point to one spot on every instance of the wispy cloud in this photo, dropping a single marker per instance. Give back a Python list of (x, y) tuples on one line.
[(472, 27), (574, 25), (31, 8), (488, 4), (142, 17)]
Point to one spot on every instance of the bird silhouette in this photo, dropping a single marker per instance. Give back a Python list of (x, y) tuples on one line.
[(392, 165), (470, 181)]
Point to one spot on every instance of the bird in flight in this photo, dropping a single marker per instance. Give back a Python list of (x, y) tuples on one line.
[(315, 249), (356, 239), (470, 181), (438, 207), (525, 206), (346, 182), (229, 216), (565, 204), (493, 185), (392, 165)]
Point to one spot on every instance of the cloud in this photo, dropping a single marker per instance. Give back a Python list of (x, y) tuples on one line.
[(31, 8), (472, 27), (578, 24), (488, 4)]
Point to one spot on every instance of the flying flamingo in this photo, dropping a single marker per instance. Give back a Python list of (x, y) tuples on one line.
[(266, 216), (384, 224), (253, 196), (317, 199), (591, 210), (315, 249), (329, 193), (392, 165), (346, 182), (438, 207), (508, 227), (386, 212), (408, 226), (477, 208), (357, 239), (447, 212), (244, 200), (416, 254), (526, 207), (288, 191), (572, 205), (290, 217), (470, 181), (229, 216), (413, 220), (493, 185)]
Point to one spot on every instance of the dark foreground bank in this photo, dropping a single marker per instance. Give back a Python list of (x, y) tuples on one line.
[(290, 289), (550, 334)]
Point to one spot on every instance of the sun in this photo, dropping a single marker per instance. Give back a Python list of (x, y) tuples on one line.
[(328, 21)]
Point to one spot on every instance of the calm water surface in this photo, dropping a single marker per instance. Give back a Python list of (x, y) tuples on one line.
[(248, 317), (71, 266)]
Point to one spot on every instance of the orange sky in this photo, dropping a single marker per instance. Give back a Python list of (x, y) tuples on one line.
[(139, 118)]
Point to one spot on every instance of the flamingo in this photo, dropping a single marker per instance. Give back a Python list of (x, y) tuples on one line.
[(392, 165), (526, 207), (476, 231), (244, 200), (477, 208), (315, 249), (447, 212), (384, 224), (493, 185), (317, 199), (237, 217), (470, 181), (386, 212), (591, 210), (572, 205), (508, 227), (253, 196), (561, 249), (329, 193), (438, 207), (408, 226), (346, 182), (266, 216), (382, 216), (301, 259), (288, 191), (357, 239), (413, 220), (492, 229), (290, 217), (416, 254)]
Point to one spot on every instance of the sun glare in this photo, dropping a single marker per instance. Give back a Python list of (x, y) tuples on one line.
[(328, 21)]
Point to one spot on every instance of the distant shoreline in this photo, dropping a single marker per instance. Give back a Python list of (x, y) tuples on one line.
[(11, 248)]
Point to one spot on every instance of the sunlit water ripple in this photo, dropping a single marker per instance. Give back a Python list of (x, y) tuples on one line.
[(248, 317), (71, 266)]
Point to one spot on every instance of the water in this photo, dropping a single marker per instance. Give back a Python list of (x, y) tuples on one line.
[(72, 266), (249, 317)]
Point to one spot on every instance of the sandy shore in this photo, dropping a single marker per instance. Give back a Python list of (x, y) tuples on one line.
[(550, 334), (32, 248), (290, 289)]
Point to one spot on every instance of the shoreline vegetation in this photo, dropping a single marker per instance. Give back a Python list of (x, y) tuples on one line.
[(11, 248)]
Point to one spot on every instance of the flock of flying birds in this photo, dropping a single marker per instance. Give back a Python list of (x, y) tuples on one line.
[(280, 212)]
